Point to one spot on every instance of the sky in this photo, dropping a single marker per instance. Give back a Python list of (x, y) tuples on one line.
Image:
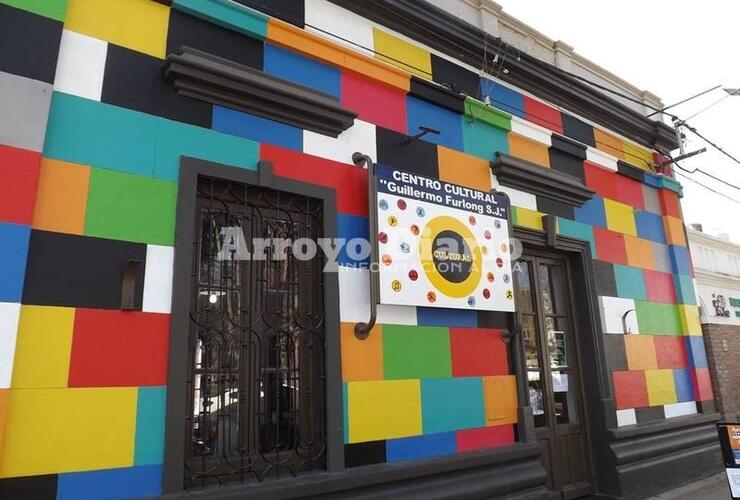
[(674, 49)]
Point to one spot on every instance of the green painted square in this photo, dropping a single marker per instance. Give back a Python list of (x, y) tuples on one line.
[(478, 110), (416, 352), (131, 208), (579, 230), (655, 318), (483, 140), (630, 282), (55, 9)]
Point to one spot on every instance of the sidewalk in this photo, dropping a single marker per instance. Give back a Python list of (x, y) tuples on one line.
[(712, 488)]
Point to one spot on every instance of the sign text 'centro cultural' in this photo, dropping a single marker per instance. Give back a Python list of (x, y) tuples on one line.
[(441, 244)]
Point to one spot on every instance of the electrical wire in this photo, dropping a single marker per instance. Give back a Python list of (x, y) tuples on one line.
[(708, 175), (711, 143)]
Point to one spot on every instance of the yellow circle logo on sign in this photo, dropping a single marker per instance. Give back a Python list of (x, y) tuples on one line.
[(396, 286), (392, 221), (450, 257)]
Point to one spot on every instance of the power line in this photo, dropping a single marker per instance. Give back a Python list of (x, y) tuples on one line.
[(708, 175), (715, 146)]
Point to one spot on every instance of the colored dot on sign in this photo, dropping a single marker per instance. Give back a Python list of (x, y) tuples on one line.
[(509, 294), (491, 277), (471, 219), (414, 229), (386, 259), (497, 224), (420, 212), (383, 205), (382, 237), (396, 286), (405, 248), (504, 248), (486, 293), (487, 234), (500, 262), (484, 250), (402, 204), (431, 297), (413, 275), (471, 301), (506, 278), (392, 221)]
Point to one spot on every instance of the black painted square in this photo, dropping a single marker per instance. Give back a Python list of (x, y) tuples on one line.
[(649, 414), (80, 271), (136, 81), (29, 488), (359, 454), (630, 171), (29, 44), (616, 357), (493, 319), (553, 207), (578, 130), (455, 77), (290, 11), (394, 150), (606, 282), (202, 35)]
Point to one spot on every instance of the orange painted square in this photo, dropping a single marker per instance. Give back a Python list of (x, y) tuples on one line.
[(639, 252), (61, 198), (640, 351), (500, 397), (361, 359), (674, 231), (608, 143), (527, 149), (463, 169)]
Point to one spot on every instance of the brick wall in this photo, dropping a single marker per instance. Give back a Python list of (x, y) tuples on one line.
[(723, 356)]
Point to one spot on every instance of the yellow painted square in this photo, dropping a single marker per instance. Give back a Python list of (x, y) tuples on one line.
[(637, 156), (43, 347), (620, 217), (528, 218), (499, 394), (50, 431), (660, 386), (463, 169), (674, 231), (361, 359), (402, 54), (139, 25), (690, 322), (528, 149), (640, 352), (383, 409)]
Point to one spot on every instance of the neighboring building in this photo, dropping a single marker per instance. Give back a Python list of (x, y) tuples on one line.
[(139, 357), (717, 268)]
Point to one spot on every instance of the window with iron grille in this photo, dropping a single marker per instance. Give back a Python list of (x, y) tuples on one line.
[(256, 380)]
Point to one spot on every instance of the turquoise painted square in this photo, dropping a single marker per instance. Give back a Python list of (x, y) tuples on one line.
[(150, 412), (231, 15), (483, 140), (630, 282), (451, 404), (685, 289), (579, 230)]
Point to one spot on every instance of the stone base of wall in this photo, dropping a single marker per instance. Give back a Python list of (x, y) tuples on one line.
[(723, 356)]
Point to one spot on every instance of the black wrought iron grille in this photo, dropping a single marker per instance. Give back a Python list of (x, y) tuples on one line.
[(256, 379)]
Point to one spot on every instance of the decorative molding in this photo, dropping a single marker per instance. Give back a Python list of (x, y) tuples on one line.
[(437, 94), (569, 146), (546, 182), (478, 110), (630, 171), (216, 80), (443, 31)]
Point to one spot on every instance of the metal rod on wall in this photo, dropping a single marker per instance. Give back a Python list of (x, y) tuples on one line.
[(362, 330)]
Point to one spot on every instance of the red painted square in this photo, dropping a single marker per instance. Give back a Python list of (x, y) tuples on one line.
[(374, 102), (484, 437), (118, 348), (670, 351), (660, 287), (477, 352), (610, 246), (349, 181), (702, 383), (601, 180), (630, 389), (629, 192), (19, 177), (543, 115), (669, 203)]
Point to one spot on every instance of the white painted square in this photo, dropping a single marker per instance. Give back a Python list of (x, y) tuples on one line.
[(680, 409), (158, 279), (396, 315), (24, 111), (612, 310), (518, 198), (339, 25), (531, 131), (358, 138), (81, 65), (626, 417), (601, 159), (9, 314), (354, 300)]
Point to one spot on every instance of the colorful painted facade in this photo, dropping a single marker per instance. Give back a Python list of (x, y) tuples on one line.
[(91, 139)]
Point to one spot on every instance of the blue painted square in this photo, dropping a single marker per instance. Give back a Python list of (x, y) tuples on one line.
[(483, 140), (592, 212), (436, 316), (503, 97), (353, 227), (652, 180), (695, 351), (684, 387), (426, 114), (302, 70), (150, 411), (259, 129), (685, 292), (579, 230), (144, 480), (630, 282), (431, 445), (13, 256), (680, 259), (650, 226), (451, 404)]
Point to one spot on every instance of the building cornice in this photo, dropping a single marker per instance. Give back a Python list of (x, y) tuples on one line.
[(700, 238), (443, 31)]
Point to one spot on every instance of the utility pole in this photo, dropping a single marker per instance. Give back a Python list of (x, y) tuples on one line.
[(678, 126)]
